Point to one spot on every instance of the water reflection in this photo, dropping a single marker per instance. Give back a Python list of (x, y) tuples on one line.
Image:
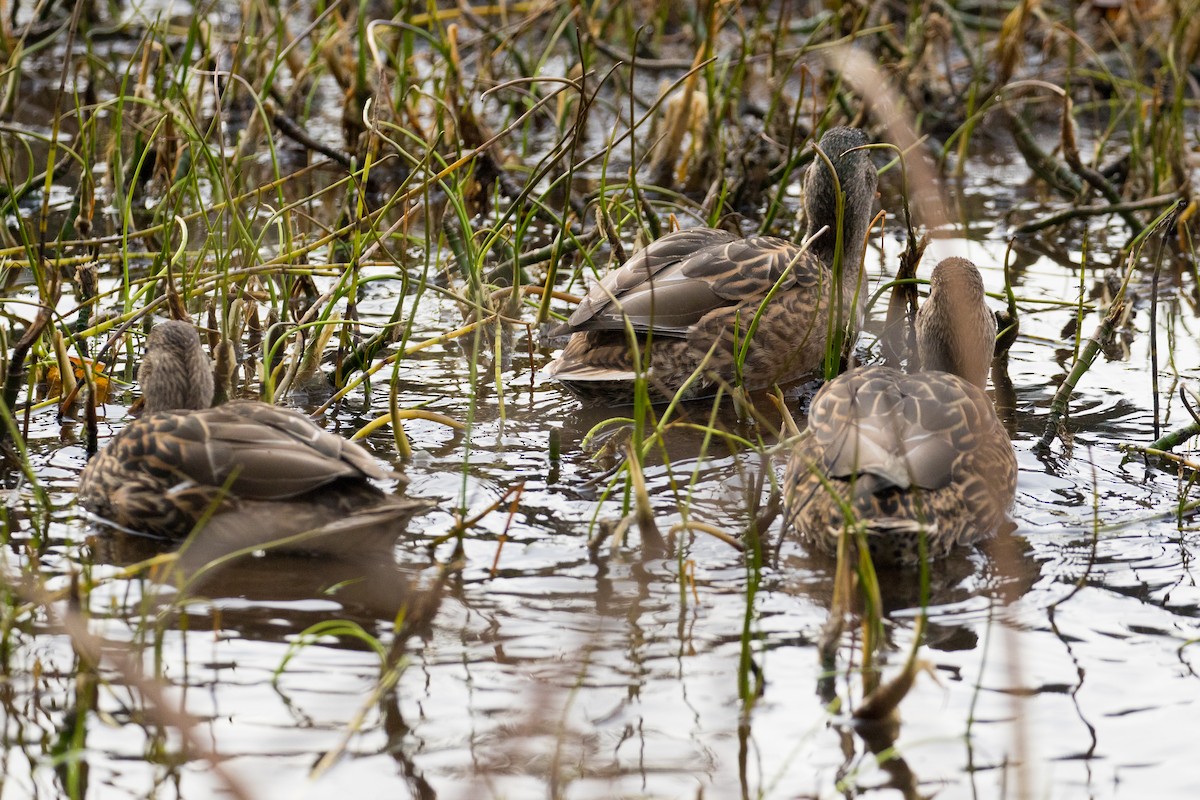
[(300, 591), (603, 673)]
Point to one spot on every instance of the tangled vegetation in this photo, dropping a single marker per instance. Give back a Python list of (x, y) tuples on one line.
[(266, 169)]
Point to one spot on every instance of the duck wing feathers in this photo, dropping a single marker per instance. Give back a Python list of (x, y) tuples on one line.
[(168, 470), (672, 284), (895, 430), (257, 451)]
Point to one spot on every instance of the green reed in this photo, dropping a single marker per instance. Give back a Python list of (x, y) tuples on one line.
[(461, 147)]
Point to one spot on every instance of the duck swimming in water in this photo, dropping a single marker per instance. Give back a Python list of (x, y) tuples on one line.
[(910, 456), (244, 475), (690, 298)]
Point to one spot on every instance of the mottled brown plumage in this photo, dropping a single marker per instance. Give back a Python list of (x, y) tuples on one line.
[(906, 455), (690, 298), (259, 473)]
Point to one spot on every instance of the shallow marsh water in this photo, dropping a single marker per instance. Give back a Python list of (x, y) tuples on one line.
[(1062, 663), (1063, 660)]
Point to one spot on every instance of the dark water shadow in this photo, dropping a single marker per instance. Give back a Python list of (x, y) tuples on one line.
[(299, 590)]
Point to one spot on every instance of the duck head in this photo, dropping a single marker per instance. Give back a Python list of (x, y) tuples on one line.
[(857, 180), (176, 374), (956, 331)]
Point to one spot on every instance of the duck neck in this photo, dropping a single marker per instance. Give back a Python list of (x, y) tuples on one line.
[(842, 245)]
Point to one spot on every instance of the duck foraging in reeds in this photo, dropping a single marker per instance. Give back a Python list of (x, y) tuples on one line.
[(686, 304), (244, 475), (910, 456)]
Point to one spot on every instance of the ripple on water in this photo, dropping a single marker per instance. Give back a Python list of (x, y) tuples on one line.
[(600, 675)]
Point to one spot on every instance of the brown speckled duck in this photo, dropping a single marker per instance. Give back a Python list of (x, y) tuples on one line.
[(902, 454), (691, 296), (259, 473)]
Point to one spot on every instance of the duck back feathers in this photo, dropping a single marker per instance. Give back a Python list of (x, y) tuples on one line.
[(910, 457)]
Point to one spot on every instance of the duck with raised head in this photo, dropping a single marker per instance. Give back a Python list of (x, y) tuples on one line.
[(244, 475), (689, 299), (910, 455)]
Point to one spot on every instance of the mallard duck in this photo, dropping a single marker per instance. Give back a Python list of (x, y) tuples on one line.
[(246, 474), (910, 454), (692, 296)]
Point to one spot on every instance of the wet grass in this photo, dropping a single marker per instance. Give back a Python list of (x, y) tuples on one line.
[(262, 175)]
